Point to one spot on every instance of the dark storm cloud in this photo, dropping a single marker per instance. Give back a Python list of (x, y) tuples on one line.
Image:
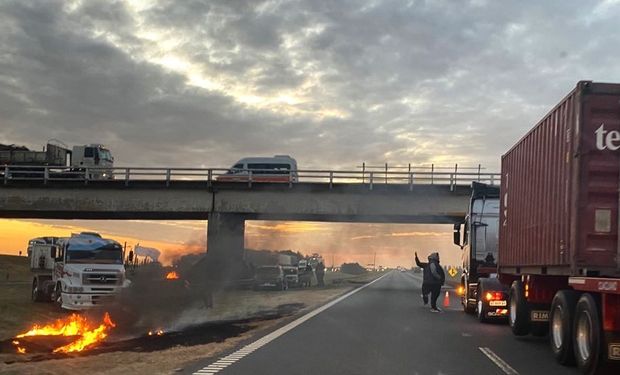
[(393, 81)]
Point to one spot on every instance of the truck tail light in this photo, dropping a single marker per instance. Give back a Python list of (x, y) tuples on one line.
[(611, 312), (494, 296)]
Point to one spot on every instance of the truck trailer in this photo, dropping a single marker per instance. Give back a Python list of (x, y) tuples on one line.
[(558, 256), (93, 161)]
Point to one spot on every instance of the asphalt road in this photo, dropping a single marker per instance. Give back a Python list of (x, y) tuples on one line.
[(384, 329)]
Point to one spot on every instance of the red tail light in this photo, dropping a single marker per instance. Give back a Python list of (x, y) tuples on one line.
[(494, 296)]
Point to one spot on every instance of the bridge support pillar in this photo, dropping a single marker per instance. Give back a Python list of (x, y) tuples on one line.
[(225, 236)]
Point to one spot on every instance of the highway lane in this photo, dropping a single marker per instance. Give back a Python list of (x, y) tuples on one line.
[(384, 329)]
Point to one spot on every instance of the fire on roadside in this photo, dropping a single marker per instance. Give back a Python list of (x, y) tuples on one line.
[(172, 275), (87, 332), (20, 350)]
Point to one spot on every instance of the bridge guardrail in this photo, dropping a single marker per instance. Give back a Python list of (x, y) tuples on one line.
[(366, 177)]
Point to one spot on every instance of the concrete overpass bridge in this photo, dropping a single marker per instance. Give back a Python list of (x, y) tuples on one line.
[(200, 194)]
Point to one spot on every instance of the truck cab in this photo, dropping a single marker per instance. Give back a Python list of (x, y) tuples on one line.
[(95, 156), (479, 243), (77, 272)]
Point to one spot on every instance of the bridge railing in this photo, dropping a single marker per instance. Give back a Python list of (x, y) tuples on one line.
[(370, 178)]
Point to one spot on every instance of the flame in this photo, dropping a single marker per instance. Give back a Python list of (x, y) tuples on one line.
[(74, 325), (20, 349), (172, 275)]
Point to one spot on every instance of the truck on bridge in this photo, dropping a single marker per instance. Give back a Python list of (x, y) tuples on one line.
[(545, 251), (19, 161), (77, 272)]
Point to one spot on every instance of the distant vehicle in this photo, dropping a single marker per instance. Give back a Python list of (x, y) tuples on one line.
[(292, 276), (280, 168), (270, 277), (68, 162), (303, 263), (77, 272)]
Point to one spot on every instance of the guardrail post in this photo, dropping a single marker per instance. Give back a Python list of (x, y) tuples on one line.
[(492, 182), (452, 178), (478, 172), (209, 176), (410, 179), (86, 176), (386, 173), (331, 179), (371, 179), (456, 168), (363, 172), (6, 174), (167, 177), (126, 176), (250, 179), (46, 175), (432, 173)]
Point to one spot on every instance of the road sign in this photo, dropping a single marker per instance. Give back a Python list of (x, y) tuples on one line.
[(452, 272)]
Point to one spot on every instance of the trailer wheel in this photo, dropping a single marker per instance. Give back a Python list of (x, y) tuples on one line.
[(561, 317), (38, 294), (519, 317), (57, 296), (587, 335), (467, 307)]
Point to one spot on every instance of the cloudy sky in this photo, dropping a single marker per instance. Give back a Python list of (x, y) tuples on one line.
[(333, 83)]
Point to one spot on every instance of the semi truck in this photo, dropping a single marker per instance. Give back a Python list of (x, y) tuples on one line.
[(19, 161), (558, 254), (77, 272)]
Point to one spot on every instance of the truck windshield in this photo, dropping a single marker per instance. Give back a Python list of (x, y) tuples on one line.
[(268, 272), (107, 255), (104, 154)]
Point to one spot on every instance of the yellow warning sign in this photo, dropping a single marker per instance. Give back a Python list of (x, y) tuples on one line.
[(452, 271)]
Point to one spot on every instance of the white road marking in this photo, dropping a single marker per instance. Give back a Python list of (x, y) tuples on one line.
[(236, 356), (498, 361)]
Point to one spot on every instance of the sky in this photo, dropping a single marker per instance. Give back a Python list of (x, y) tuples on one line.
[(332, 83)]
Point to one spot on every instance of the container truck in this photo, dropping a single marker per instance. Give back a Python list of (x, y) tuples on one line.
[(558, 259), (77, 272), (20, 162)]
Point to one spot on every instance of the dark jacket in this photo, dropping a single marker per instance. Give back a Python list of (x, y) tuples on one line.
[(433, 272)]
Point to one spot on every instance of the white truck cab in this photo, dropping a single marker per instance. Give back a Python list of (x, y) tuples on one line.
[(77, 272), (94, 156)]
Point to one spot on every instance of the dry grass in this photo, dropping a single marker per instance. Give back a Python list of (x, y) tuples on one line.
[(20, 312)]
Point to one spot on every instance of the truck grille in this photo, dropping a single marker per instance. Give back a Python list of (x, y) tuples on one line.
[(101, 279)]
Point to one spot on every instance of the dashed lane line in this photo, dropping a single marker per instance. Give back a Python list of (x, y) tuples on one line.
[(224, 362), (498, 361)]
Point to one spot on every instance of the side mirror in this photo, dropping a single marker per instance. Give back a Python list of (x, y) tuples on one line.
[(53, 252), (457, 235)]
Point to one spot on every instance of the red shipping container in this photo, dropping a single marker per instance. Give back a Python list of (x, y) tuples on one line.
[(560, 189)]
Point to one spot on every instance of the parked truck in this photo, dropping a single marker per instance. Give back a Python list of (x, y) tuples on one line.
[(94, 161), (77, 272), (558, 259)]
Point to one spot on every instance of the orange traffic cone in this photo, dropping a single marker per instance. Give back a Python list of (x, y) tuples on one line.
[(446, 300)]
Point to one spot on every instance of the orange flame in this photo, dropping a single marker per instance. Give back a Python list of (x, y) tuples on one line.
[(172, 275), (74, 325), (20, 349)]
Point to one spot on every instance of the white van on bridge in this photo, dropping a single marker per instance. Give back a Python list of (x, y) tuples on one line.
[(279, 168)]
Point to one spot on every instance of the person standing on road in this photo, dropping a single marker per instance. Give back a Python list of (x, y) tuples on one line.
[(320, 274), (433, 279)]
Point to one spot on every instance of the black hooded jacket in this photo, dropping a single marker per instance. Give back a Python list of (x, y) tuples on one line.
[(433, 272)]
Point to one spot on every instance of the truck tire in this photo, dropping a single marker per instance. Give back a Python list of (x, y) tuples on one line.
[(467, 308), (38, 294), (561, 318), (519, 312), (481, 310), (57, 296), (587, 336)]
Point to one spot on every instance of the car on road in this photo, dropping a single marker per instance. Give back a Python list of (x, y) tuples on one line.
[(270, 277)]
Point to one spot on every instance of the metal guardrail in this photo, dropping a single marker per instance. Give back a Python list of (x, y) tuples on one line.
[(366, 177)]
